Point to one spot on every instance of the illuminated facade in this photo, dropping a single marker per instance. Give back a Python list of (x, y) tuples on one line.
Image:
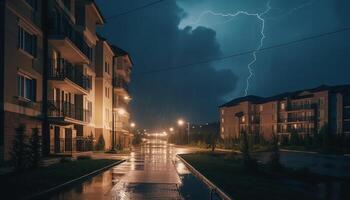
[(21, 65), (302, 112), (122, 65), (61, 88), (71, 90)]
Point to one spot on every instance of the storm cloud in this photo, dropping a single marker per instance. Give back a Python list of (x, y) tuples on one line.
[(153, 39)]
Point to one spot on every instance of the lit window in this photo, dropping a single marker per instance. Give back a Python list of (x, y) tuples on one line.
[(27, 42), (222, 111), (283, 106), (222, 120), (222, 129), (26, 87), (261, 108), (243, 119)]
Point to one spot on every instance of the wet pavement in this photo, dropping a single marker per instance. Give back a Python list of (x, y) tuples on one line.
[(151, 172)]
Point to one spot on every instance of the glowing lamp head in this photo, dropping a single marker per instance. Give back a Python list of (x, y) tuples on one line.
[(180, 122)]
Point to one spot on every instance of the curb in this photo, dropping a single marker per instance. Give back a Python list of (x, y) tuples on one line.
[(297, 151), (74, 180), (211, 185)]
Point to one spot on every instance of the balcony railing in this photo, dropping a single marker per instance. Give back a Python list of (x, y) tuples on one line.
[(66, 109), (63, 28), (300, 107), (298, 130), (120, 83), (297, 119), (61, 69)]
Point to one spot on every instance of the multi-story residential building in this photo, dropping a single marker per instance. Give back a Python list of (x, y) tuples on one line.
[(104, 91), (302, 112), (122, 65), (21, 40), (71, 90), (55, 75)]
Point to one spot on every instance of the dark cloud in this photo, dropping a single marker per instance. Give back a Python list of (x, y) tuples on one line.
[(154, 40)]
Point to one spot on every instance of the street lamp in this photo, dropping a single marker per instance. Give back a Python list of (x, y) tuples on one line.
[(181, 122), (171, 129), (132, 125)]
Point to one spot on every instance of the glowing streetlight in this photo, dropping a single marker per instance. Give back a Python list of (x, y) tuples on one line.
[(180, 122), (121, 111), (171, 129), (132, 125), (127, 98)]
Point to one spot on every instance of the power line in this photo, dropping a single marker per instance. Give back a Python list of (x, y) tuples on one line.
[(244, 52), (135, 9)]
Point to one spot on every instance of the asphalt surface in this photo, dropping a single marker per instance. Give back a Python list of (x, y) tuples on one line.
[(151, 172)]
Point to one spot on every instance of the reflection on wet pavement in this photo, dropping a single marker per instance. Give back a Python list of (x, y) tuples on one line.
[(151, 172)]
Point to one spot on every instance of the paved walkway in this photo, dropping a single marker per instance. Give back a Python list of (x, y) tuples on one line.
[(151, 172)]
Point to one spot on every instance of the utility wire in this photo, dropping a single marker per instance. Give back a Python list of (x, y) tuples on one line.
[(244, 52), (135, 9)]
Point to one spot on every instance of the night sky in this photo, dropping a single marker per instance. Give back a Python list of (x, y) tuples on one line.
[(169, 34)]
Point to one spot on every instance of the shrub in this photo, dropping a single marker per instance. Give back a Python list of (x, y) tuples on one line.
[(274, 162), (20, 152), (100, 146), (35, 148)]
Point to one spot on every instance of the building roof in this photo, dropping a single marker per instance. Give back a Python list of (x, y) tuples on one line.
[(294, 95), (120, 52), (98, 11)]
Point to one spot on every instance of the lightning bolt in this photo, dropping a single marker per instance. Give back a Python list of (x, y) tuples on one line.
[(259, 16)]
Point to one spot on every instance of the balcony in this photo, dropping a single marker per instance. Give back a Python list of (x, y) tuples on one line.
[(301, 107), (298, 130), (120, 84), (69, 42), (302, 119), (67, 77), (67, 113)]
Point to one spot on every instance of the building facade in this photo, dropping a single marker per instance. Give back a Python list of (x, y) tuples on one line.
[(122, 66), (53, 73), (302, 112), (71, 90), (104, 87), (21, 69)]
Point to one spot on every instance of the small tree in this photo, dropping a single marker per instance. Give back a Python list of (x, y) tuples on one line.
[(274, 161), (100, 146), (244, 147), (35, 148), (19, 152)]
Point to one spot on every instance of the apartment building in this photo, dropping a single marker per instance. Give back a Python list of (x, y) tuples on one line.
[(80, 79), (302, 112), (71, 90), (122, 66), (21, 69), (104, 91)]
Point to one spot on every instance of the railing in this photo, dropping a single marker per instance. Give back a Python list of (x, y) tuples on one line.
[(66, 109), (62, 27), (61, 69), (120, 83), (299, 130), (84, 143), (300, 107), (296, 119)]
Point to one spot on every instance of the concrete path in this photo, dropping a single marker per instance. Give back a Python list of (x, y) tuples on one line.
[(151, 172)]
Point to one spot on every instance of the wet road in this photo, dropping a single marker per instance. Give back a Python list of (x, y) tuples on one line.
[(152, 172)]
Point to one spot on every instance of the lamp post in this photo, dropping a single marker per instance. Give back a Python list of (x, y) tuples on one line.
[(181, 122)]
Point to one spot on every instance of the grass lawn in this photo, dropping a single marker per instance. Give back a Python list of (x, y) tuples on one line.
[(228, 173), (33, 181)]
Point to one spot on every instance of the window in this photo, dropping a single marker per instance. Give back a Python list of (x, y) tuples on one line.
[(106, 95), (243, 119), (261, 108), (283, 106), (27, 42), (222, 120), (32, 3), (26, 87), (67, 4), (222, 129)]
